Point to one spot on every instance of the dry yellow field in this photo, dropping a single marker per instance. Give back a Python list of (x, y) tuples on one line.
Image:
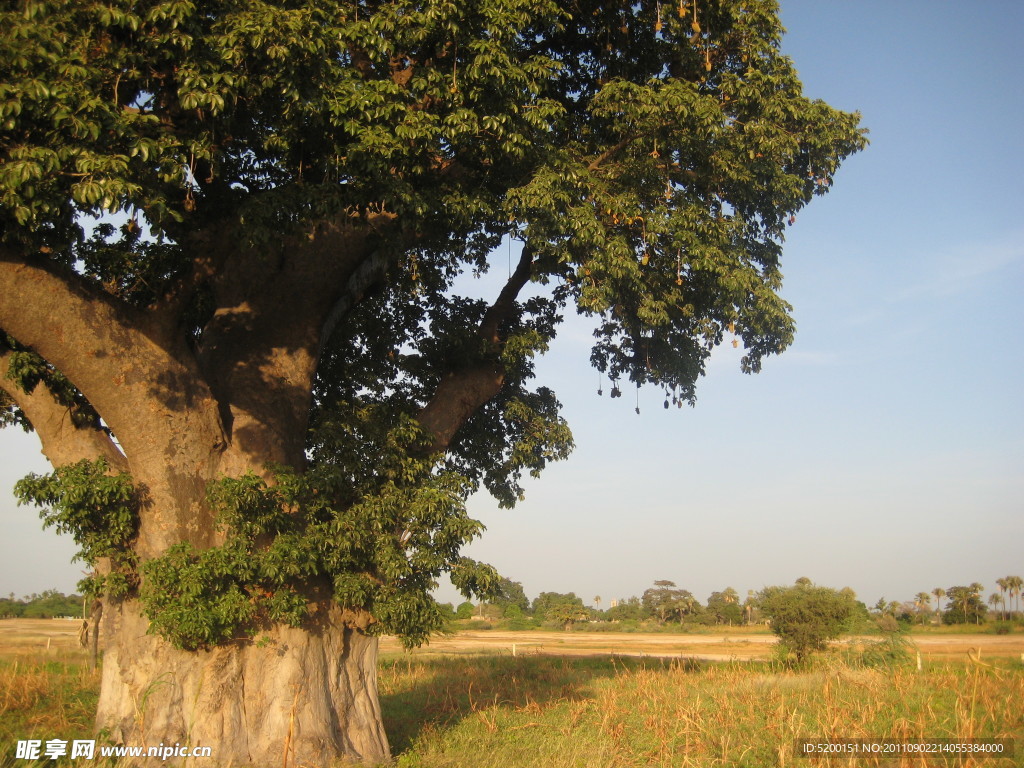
[(721, 647), (62, 634), (565, 701), (34, 635)]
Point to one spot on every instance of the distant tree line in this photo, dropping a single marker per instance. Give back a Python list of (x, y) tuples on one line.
[(50, 604), (664, 603), (963, 604)]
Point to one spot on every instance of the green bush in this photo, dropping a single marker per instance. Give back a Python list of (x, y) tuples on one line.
[(893, 650), (805, 617)]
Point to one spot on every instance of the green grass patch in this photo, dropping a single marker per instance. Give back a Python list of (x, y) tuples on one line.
[(547, 711), (45, 697)]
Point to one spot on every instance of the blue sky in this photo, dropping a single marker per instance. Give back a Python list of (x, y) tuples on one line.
[(884, 450)]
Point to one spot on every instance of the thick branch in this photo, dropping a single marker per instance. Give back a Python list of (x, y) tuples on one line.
[(144, 386), (501, 310), (463, 392), (136, 380), (608, 153), (63, 441)]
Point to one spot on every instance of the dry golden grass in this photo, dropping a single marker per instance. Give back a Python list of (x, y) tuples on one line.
[(543, 710), (551, 712), (19, 636), (45, 696)]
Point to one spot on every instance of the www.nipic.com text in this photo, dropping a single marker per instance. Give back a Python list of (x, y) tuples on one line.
[(35, 749)]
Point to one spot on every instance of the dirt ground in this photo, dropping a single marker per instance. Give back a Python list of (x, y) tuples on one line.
[(21, 635), (722, 647), (61, 635)]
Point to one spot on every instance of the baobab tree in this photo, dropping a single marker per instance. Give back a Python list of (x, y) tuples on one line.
[(229, 238)]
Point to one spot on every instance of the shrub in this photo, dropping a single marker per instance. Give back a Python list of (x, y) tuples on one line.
[(894, 650), (805, 617)]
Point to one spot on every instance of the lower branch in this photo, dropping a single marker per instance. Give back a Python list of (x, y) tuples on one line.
[(461, 393), (63, 441)]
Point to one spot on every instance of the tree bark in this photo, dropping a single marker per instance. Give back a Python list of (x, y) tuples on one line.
[(94, 631), (295, 697)]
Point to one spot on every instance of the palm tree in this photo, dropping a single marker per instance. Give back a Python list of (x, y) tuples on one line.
[(597, 602), (1001, 583), (939, 593), (976, 590), (730, 596), (994, 599), (921, 600), (961, 596), (1014, 585)]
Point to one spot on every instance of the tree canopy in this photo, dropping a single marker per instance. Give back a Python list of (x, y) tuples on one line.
[(668, 602), (241, 222)]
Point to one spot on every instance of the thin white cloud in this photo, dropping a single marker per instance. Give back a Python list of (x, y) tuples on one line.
[(963, 265), (814, 358)]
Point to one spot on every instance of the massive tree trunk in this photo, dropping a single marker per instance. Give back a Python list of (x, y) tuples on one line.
[(290, 696), (296, 697), (185, 416)]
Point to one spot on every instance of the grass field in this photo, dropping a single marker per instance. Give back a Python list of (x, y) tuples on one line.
[(541, 708)]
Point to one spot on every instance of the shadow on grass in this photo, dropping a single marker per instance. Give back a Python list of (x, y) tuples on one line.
[(418, 693)]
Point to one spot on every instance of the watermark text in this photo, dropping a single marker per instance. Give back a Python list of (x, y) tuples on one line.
[(86, 749)]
